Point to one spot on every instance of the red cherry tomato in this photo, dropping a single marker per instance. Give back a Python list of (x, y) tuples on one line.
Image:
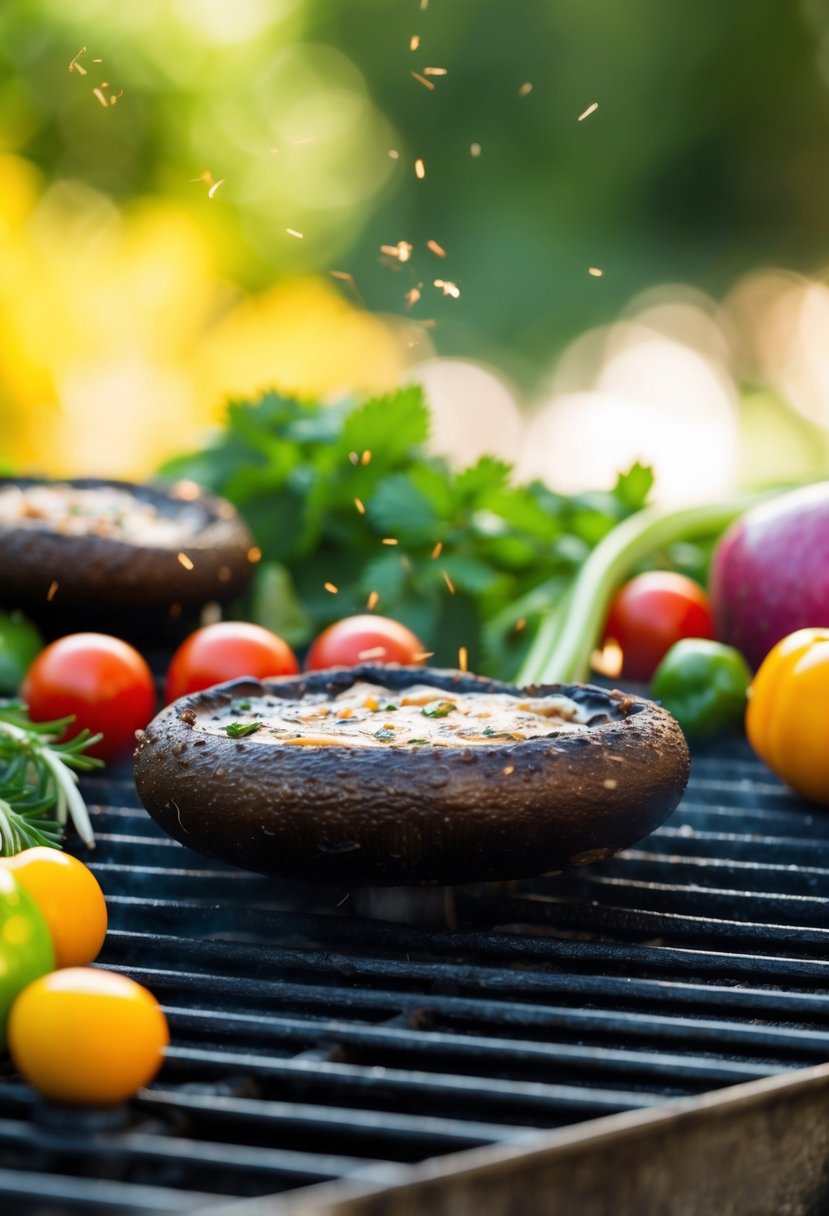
[(225, 651), (650, 613), (102, 681), (364, 639)]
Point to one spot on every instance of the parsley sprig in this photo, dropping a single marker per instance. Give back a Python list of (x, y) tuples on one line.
[(297, 470), (39, 780)]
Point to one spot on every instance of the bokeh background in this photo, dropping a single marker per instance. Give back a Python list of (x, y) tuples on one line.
[(595, 232)]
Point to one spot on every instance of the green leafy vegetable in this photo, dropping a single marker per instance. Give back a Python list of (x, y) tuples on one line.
[(438, 709), (478, 562), (39, 780)]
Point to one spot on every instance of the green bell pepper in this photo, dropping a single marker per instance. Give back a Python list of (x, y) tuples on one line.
[(704, 685), (26, 949), (20, 643)]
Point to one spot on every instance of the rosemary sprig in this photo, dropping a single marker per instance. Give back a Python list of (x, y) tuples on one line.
[(39, 780)]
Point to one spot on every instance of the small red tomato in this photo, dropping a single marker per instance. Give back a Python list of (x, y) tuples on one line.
[(650, 613), (226, 651), (102, 681), (364, 639)]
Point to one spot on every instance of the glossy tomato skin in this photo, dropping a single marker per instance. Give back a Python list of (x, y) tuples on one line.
[(101, 680), (86, 1037), (226, 651), (364, 639), (787, 720), (70, 900), (651, 612)]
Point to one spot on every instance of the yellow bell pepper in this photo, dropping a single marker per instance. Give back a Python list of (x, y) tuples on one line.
[(787, 720)]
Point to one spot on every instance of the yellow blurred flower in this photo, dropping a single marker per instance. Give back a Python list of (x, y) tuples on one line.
[(121, 341)]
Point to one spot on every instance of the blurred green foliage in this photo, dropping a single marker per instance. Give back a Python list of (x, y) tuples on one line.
[(705, 157)]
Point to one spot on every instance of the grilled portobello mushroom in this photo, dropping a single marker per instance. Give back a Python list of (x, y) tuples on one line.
[(401, 775), (90, 551)]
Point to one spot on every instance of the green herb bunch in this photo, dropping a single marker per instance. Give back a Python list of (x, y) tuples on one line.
[(39, 782), (476, 561)]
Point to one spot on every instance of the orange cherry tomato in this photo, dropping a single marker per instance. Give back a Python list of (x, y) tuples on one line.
[(225, 651), (787, 721), (86, 1037), (70, 900)]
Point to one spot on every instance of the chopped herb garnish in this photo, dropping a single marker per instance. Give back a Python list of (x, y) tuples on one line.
[(391, 707), (385, 734), (423, 741), (240, 707), (238, 730), (438, 709)]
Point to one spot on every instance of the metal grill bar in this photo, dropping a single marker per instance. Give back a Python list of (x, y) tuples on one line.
[(312, 1043)]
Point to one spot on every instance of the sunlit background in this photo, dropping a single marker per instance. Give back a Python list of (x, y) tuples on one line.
[(596, 233)]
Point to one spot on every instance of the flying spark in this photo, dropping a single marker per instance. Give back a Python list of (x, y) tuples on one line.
[(422, 656), (510, 768), (53, 590), (75, 66), (414, 42), (373, 600), (436, 248), (331, 588), (594, 270), (427, 84), (359, 504), (185, 561), (390, 540), (420, 169), (475, 149), (394, 154), (463, 658), (413, 295), (590, 110), (366, 457), (401, 252), (434, 71), (448, 288), (526, 89), (450, 586), (300, 236), (373, 652), (254, 555), (438, 549), (211, 192)]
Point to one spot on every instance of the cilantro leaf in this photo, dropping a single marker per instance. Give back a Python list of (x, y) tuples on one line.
[(388, 427)]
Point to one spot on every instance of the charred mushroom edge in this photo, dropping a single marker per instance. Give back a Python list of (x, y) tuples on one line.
[(413, 815), (96, 573)]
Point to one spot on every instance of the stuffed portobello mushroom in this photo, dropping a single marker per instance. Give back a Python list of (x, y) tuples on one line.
[(82, 550), (405, 775)]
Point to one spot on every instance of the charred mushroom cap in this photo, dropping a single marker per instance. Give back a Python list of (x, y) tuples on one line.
[(412, 815), (52, 571)]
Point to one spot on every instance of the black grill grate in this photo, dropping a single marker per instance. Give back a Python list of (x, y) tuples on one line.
[(312, 1043)]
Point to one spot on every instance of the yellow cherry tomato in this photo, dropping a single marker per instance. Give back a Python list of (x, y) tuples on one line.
[(787, 721), (86, 1037), (70, 900)]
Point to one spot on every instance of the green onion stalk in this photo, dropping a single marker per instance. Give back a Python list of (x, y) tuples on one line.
[(562, 648)]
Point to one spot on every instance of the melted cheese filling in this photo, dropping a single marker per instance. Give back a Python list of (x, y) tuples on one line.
[(369, 715), (94, 511)]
